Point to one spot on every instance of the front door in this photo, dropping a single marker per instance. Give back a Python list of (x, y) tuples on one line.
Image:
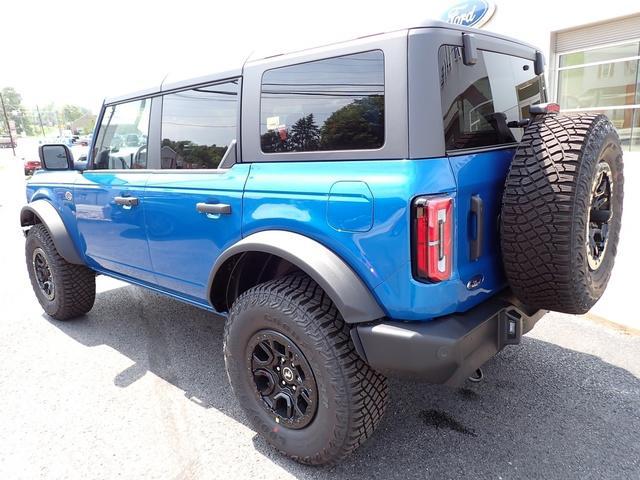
[(192, 206), (109, 196)]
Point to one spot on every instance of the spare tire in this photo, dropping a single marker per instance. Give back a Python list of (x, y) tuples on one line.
[(561, 211)]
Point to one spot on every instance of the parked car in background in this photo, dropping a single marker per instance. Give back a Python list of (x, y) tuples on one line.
[(7, 142), (65, 140), (84, 140), (31, 166)]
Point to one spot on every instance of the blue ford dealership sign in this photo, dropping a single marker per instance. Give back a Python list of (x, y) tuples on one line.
[(472, 13)]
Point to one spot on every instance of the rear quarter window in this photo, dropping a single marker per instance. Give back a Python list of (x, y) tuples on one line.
[(478, 101), (330, 104)]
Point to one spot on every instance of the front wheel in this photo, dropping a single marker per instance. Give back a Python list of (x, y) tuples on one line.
[(64, 290), (295, 371)]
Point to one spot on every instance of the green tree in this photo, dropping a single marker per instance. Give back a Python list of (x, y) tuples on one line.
[(191, 155), (16, 112), (357, 125), (305, 134), (71, 113)]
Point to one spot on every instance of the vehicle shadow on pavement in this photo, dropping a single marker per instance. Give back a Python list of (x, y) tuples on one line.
[(542, 410)]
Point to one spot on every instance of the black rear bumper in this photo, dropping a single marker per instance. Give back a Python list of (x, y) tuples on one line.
[(449, 349)]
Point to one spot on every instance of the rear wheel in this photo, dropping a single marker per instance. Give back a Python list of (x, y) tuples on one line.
[(64, 290), (561, 212), (294, 369)]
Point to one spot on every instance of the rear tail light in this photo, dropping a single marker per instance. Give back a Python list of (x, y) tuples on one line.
[(542, 108), (433, 243)]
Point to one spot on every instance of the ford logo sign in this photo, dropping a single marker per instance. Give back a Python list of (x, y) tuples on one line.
[(475, 282), (473, 13)]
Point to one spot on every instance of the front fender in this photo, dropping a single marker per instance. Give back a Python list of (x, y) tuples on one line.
[(350, 295), (41, 211)]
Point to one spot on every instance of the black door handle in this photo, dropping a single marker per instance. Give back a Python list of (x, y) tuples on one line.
[(475, 245), (213, 208), (126, 201)]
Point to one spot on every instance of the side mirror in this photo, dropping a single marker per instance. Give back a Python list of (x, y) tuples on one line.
[(55, 157)]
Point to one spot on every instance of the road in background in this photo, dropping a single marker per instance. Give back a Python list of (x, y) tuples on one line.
[(137, 389)]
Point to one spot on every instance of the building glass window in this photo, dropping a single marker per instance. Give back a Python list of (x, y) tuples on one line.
[(604, 80), (198, 126), (331, 104), (478, 101)]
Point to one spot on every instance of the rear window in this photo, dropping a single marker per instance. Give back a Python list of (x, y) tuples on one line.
[(478, 101), (331, 104)]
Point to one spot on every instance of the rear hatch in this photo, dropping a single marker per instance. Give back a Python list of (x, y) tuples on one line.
[(482, 109)]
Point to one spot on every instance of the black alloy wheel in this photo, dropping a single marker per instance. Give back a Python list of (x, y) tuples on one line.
[(42, 271), (599, 215), (283, 378)]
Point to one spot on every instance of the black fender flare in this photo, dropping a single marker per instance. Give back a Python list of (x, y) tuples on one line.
[(351, 296), (41, 211)]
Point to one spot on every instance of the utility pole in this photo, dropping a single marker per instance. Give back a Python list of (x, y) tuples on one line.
[(6, 119), (40, 120), (58, 122)]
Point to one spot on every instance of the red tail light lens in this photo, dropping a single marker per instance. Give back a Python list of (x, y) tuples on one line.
[(433, 243)]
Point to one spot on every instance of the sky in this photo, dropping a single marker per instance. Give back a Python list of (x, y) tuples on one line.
[(80, 52)]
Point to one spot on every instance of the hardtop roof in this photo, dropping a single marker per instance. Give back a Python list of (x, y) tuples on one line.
[(172, 82)]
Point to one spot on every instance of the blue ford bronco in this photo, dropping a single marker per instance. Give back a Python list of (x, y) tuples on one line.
[(405, 203)]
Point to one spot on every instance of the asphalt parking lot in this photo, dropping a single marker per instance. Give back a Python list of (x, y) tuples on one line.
[(137, 389)]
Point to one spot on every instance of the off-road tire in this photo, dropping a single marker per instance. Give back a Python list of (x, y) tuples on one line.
[(75, 285), (352, 397), (546, 211)]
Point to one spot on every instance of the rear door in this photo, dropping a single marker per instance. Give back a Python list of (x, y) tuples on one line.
[(481, 105), (108, 196), (193, 198)]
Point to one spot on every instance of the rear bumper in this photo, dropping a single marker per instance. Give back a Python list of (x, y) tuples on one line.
[(449, 349)]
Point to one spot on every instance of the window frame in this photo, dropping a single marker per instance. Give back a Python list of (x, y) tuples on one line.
[(558, 69), (635, 107), (394, 51)]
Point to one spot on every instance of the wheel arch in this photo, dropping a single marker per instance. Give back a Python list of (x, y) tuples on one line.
[(41, 211), (267, 255)]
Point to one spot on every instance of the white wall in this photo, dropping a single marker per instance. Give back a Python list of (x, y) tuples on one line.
[(534, 21)]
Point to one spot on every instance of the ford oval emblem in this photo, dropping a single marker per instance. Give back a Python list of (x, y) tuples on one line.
[(475, 282), (472, 13)]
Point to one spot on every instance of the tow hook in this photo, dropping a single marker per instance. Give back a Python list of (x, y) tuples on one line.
[(477, 376)]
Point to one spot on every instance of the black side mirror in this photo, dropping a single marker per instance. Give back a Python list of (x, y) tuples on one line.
[(55, 157), (469, 49), (538, 64)]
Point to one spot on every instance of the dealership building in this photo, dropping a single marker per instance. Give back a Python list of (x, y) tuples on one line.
[(592, 51)]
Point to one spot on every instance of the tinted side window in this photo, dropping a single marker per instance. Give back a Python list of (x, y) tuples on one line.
[(332, 104), (122, 137), (198, 125), (479, 100)]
